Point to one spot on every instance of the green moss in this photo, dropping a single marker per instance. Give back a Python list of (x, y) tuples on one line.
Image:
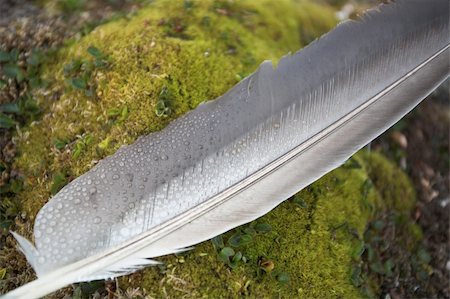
[(398, 195), (182, 55)]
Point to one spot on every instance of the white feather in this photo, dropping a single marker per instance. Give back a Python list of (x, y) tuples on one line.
[(281, 129)]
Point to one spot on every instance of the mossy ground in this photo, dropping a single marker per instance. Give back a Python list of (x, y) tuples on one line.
[(177, 54)]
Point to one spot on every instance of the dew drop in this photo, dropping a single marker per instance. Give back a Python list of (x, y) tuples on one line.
[(129, 177), (115, 177), (97, 220)]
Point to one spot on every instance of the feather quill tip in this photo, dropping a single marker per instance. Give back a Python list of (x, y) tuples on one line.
[(28, 249)]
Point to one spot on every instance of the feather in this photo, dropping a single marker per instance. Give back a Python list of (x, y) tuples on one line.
[(233, 159)]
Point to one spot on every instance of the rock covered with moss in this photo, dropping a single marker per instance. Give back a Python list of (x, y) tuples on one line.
[(134, 75)]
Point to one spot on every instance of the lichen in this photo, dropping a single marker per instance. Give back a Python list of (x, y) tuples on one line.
[(182, 53)]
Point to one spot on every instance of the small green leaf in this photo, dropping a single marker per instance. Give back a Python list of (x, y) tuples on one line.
[(161, 109), (16, 186), (283, 278), (95, 52), (218, 242), (188, 4), (100, 63), (59, 181), (3, 84), (113, 112), (250, 231), (89, 288), (165, 95), (377, 267), (237, 257), (10, 108), (77, 293), (35, 82), (239, 239), (378, 224), (232, 264), (35, 58), (352, 164), (359, 250), (72, 67), (14, 55), (370, 252), (424, 256), (263, 227), (223, 258), (2, 273), (388, 266), (14, 72), (87, 139), (227, 251), (60, 143), (422, 275), (4, 56), (89, 92), (6, 122), (104, 143), (235, 239), (367, 186), (124, 113), (78, 83), (29, 105), (79, 147), (87, 67), (300, 202), (356, 276), (225, 254)]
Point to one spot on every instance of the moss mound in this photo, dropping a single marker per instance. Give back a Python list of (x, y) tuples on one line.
[(133, 76)]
